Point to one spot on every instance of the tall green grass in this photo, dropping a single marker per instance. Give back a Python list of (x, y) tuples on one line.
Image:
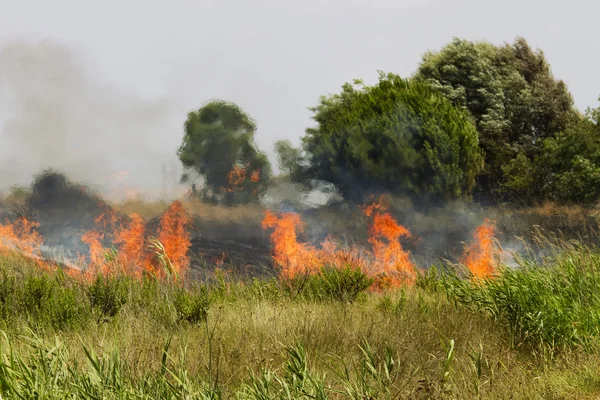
[(315, 337), (552, 305)]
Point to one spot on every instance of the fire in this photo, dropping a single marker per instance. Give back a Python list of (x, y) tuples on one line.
[(235, 178), (174, 236), (220, 260), (105, 223), (133, 257), (289, 255), (21, 235), (237, 175), (335, 254), (131, 240), (386, 260), (94, 240), (391, 260), (388, 263), (479, 256)]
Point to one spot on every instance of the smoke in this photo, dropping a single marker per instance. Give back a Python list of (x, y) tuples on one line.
[(55, 115)]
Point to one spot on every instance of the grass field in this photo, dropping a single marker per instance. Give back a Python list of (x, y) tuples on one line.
[(529, 333)]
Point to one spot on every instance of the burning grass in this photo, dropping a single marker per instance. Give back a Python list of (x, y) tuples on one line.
[(387, 263)]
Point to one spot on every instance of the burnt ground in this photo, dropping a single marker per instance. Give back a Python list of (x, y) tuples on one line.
[(246, 257), (240, 246)]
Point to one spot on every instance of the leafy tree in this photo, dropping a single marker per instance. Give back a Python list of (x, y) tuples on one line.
[(567, 168), (288, 157), (512, 95), (396, 136), (218, 144)]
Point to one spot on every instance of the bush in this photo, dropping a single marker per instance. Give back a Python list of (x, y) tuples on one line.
[(54, 301), (192, 305), (7, 292), (397, 136), (340, 284), (108, 295)]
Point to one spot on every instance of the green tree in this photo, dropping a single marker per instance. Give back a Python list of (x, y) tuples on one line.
[(567, 168), (512, 95), (218, 144), (288, 157), (396, 136)]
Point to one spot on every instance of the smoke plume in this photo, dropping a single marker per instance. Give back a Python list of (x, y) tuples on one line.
[(55, 115)]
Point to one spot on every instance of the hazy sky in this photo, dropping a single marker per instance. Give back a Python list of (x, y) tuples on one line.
[(97, 87)]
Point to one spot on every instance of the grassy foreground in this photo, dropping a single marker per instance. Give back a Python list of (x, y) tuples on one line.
[(531, 333)]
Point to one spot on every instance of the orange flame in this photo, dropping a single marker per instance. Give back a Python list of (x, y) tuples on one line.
[(21, 235), (105, 223), (131, 240), (289, 255), (392, 262), (236, 177), (479, 256), (174, 236), (389, 263)]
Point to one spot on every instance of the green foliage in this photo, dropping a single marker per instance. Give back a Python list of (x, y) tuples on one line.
[(297, 382), (430, 280), (395, 136), (344, 284), (288, 158), (108, 295), (555, 305), (566, 170), (510, 92), (219, 137), (411, 343), (50, 373), (192, 305), (7, 294), (53, 301)]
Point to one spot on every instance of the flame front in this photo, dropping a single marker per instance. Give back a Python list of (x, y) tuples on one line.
[(131, 239), (289, 255), (389, 264), (392, 262), (386, 261), (479, 255), (21, 235), (173, 234)]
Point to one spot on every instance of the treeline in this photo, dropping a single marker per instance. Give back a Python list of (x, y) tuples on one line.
[(476, 121)]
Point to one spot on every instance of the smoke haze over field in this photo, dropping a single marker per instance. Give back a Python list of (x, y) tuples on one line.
[(59, 117), (98, 88)]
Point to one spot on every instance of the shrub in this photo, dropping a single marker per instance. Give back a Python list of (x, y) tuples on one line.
[(343, 284), (108, 295), (37, 291), (7, 292), (397, 136), (192, 305), (53, 300)]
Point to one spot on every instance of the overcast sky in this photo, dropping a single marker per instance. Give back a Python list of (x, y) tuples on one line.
[(98, 87)]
